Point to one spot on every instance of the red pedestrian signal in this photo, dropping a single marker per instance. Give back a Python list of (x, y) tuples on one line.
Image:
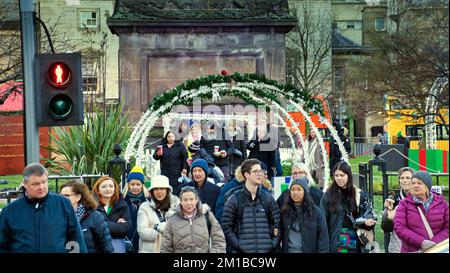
[(59, 98), (59, 74)]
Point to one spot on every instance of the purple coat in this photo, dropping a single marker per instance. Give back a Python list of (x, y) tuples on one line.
[(409, 225)]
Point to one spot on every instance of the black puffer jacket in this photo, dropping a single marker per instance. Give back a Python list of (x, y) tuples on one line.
[(255, 228), (96, 232), (313, 229), (119, 210), (173, 161)]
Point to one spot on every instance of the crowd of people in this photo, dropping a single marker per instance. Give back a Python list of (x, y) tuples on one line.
[(212, 197)]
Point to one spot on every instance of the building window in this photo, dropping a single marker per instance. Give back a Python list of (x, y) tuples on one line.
[(380, 24), (89, 19), (353, 24), (90, 73)]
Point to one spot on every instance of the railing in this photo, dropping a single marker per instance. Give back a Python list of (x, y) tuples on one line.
[(14, 193), (66, 177)]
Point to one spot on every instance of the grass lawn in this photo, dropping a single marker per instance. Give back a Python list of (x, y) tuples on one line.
[(15, 180)]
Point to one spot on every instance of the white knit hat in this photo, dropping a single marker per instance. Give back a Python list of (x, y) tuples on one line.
[(160, 182)]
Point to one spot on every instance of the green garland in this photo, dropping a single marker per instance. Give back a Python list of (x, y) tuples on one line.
[(310, 103)]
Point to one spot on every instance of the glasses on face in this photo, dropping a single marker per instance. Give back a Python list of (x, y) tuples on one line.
[(258, 172), (297, 173)]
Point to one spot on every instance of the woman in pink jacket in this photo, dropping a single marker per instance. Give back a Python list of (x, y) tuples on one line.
[(408, 222)]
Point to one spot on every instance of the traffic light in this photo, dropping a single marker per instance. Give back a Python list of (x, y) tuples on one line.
[(59, 98)]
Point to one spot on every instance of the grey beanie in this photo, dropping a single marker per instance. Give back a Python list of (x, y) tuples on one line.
[(425, 177), (302, 181)]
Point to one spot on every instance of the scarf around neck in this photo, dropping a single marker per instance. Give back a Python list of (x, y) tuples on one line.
[(136, 199), (79, 212)]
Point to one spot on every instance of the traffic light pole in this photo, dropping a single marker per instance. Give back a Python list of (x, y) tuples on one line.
[(31, 132)]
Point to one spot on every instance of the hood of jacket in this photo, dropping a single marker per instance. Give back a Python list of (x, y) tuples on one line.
[(202, 209)]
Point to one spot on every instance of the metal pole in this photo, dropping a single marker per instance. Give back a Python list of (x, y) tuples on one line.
[(29, 104)]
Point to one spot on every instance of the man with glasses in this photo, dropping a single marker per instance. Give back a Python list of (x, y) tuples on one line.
[(40, 221), (251, 216)]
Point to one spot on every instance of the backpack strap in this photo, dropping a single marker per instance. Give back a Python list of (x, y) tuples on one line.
[(160, 216), (208, 222)]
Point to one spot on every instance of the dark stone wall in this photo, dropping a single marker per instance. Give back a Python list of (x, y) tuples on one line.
[(152, 63)]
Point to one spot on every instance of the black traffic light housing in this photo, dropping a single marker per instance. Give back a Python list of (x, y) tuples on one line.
[(59, 96)]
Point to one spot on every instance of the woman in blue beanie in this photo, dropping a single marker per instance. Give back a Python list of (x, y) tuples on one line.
[(134, 196)]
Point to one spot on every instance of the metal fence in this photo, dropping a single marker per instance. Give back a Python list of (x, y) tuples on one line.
[(361, 146), (10, 194)]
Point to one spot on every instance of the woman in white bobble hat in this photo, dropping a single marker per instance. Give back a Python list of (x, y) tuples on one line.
[(153, 214)]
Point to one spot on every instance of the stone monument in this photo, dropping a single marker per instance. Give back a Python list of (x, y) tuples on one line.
[(163, 43)]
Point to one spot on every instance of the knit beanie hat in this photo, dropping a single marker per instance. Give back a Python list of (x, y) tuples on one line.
[(136, 173), (302, 181), (194, 147), (425, 177), (200, 163)]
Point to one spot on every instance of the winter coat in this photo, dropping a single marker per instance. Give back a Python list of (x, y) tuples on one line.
[(212, 172), (119, 210), (315, 194), (236, 181), (47, 226), (96, 232), (173, 161), (253, 231), (335, 220), (387, 225), (133, 204), (207, 193), (313, 230), (238, 143), (150, 238), (409, 225), (316, 164), (267, 156), (335, 152), (192, 236), (223, 144)]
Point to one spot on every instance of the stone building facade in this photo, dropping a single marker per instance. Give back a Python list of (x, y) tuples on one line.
[(163, 43)]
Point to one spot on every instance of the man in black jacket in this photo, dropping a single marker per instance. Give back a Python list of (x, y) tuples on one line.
[(40, 221), (215, 138), (207, 191), (251, 216)]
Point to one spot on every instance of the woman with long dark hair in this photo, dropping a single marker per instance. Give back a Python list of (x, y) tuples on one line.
[(303, 226), (153, 213), (172, 157), (344, 206)]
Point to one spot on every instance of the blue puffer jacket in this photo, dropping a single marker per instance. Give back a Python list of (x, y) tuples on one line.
[(253, 232), (28, 226), (96, 232)]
